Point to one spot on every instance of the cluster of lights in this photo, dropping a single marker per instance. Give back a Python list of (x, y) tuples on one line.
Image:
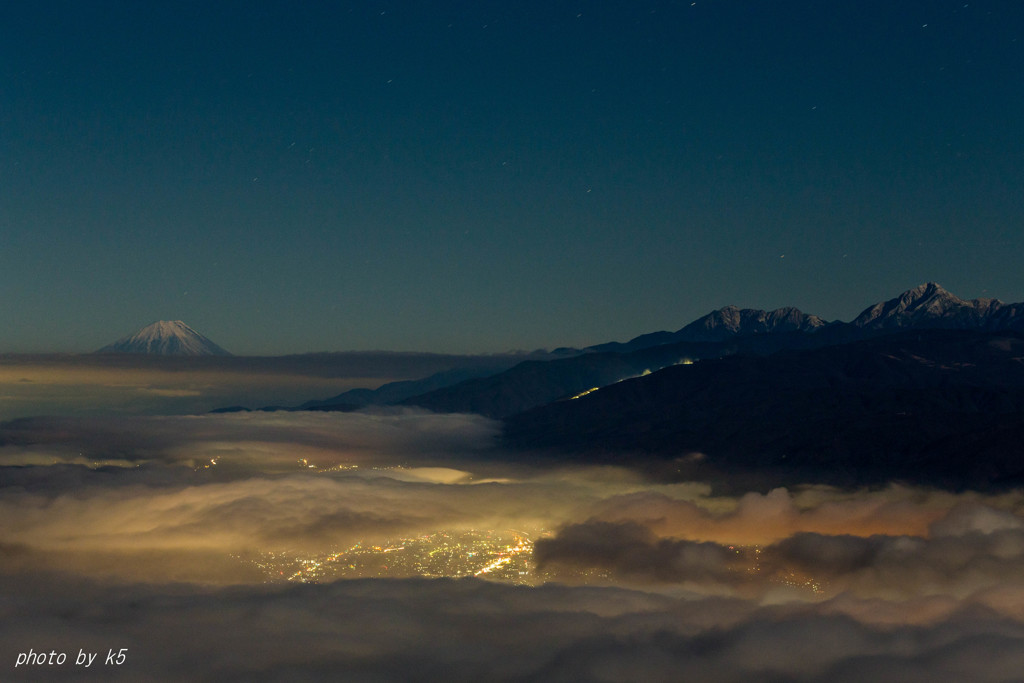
[(523, 546), (494, 556), (584, 393), (497, 556)]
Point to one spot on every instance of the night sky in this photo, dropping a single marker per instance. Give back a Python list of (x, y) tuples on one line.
[(484, 176)]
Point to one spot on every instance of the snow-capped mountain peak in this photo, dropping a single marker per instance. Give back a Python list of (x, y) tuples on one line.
[(166, 338), (927, 305), (731, 321)]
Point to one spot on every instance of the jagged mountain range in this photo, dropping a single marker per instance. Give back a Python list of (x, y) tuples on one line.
[(502, 390), (166, 338), (932, 307), (928, 306), (724, 332), (926, 388), (505, 390)]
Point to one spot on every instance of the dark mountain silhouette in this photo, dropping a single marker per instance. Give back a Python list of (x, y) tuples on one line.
[(536, 383), (457, 369), (724, 332), (393, 392), (937, 407), (500, 391)]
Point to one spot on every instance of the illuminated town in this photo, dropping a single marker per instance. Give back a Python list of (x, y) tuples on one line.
[(502, 556), (505, 556), (495, 555)]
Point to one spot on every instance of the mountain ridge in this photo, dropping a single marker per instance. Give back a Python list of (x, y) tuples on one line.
[(935, 407), (927, 306), (721, 325), (727, 331), (931, 306)]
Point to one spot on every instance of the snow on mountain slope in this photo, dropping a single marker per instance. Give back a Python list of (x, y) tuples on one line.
[(929, 305), (166, 338)]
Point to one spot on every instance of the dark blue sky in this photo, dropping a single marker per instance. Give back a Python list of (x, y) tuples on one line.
[(482, 176)]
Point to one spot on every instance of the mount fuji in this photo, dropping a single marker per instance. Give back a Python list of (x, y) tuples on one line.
[(166, 338)]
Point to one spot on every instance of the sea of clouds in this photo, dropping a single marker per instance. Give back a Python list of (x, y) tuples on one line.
[(125, 532)]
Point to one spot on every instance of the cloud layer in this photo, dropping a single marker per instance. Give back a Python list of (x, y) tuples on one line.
[(130, 532), (462, 630)]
